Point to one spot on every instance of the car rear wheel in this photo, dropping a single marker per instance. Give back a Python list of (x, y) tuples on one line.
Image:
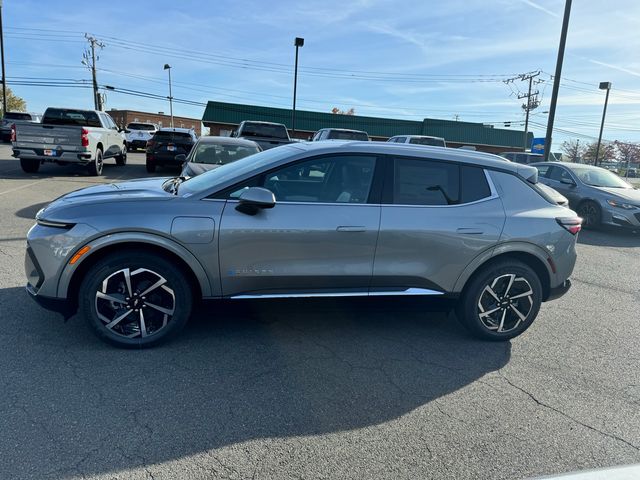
[(121, 159), (29, 165), (135, 299), (95, 167), (590, 213), (501, 301)]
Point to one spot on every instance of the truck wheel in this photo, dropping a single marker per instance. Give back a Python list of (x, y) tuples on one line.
[(95, 167), (135, 299), (29, 165), (121, 159)]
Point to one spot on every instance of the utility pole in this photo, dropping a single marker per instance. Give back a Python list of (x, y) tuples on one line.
[(556, 79), (532, 101), (4, 76), (89, 60)]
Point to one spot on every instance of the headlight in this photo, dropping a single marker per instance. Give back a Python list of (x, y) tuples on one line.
[(53, 224), (619, 204)]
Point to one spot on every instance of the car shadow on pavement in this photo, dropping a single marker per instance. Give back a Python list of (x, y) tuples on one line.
[(610, 237), (239, 371)]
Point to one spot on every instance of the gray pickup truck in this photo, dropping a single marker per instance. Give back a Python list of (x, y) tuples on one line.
[(66, 136), (265, 134)]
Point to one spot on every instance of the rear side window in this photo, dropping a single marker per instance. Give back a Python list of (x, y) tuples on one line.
[(62, 116), (426, 182), (17, 116)]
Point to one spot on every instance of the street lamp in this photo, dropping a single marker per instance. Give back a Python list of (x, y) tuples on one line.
[(603, 86), (299, 42), (168, 67)]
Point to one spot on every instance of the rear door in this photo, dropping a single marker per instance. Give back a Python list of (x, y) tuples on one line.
[(318, 240), (436, 217)]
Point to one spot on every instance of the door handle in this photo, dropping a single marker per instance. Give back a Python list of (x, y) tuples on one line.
[(351, 228), (470, 231)]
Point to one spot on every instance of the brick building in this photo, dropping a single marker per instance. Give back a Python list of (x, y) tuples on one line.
[(123, 117)]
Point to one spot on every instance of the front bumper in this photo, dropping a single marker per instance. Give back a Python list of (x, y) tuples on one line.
[(559, 291), (62, 306), (622, 218)]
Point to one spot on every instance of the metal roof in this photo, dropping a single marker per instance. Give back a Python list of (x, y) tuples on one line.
[(452, 131)]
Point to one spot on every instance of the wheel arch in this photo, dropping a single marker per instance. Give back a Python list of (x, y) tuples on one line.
[(529, 254), (69, 282)]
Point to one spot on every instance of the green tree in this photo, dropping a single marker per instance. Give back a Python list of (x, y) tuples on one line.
[(14, 103), (573, 150), (607, 152)]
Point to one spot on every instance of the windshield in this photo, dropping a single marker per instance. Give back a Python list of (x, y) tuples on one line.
[(599, 177), (263, 130), (436, 142), (141, 126), (63, 116), (221, 154), (347, 135), (236, 169)]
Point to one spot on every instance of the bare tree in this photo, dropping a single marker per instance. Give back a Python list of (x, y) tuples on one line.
[(573, 150), (607, 152), (337, 111)]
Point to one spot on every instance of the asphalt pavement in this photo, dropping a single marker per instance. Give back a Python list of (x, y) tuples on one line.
[(316, 389)]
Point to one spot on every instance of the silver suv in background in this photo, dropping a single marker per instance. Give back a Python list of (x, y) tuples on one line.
[(314, 219), (14, 118), (419, 140), (137, 134)]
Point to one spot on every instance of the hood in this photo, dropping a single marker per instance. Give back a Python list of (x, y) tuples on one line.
[(193, 169), (142, 189), (630, 194)]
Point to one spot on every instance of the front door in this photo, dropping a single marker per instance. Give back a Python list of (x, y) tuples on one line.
[(436, 217), (319, 239), (553, 178)]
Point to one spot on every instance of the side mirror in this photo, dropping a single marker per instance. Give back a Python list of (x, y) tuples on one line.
[(568, 181), (181, 158), (254, 199)]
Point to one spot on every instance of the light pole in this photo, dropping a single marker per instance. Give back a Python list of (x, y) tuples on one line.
[(299, 42), (603, 86), (168, 67), (4, 78)]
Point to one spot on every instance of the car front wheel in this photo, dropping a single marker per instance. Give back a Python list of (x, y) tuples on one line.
[(501, 301), (135, 299)]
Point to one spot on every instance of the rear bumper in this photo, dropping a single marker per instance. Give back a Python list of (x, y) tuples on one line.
[(164, 159), (137, 143), (559, 291), (61, 155)]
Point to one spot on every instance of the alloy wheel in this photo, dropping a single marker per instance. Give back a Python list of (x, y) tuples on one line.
[(135, 304), (589, 213), (505, 303)]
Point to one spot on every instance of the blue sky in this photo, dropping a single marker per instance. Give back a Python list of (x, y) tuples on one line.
[(383, 58)]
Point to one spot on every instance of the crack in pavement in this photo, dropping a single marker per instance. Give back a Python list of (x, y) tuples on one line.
[(567, 416)]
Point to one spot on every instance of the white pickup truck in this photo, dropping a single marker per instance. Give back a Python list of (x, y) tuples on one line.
[(67, 135)]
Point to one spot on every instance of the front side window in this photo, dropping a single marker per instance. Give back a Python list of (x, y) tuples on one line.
[(558, 174), (334, 179)]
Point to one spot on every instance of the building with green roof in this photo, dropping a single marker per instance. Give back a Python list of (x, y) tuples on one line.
[(222, 118)]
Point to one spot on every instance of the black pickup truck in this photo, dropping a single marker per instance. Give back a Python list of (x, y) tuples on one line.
[(265, 134)]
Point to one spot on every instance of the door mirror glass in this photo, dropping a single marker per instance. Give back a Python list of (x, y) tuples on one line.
[(254, 199)]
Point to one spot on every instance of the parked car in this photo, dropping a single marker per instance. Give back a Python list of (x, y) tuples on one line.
[(265, 134), (314, 219), (212, 152), (166, 144), (339, 134), (138, 134), (523, 157), (69, 135), (13, 118), (419, 140), (599, 196)]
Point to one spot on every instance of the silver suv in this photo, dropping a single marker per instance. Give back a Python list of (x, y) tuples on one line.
[(318, 219)]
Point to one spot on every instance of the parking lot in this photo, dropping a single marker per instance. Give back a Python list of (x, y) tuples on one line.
[(317, 389)]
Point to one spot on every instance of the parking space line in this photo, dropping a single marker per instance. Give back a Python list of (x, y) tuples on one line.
[(21, 187)]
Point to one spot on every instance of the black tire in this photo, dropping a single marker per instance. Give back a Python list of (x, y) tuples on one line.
[(486, 325), (159, 325), (151, 167), (95, 167), (129, 147), (591, 214), (121, 160), (29, 165)]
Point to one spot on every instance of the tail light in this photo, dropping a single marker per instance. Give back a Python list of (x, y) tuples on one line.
[(13, 132), (572, 224), (85, 137)]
